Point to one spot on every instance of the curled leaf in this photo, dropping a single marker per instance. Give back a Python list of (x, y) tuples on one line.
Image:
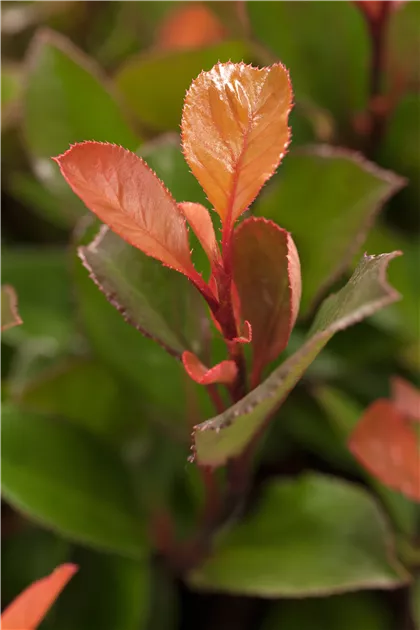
[(406, 398), (127, 195), (224, 372), (9, 308), (200, 221), (386, 444), (266, 271), (227, 435), (30, 607), (190, 26), (235, 132)]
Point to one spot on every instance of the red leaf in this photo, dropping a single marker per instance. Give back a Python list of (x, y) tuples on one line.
[(406, 398), (127, 195), (200, 221), (9, 308), (30, 607), (224, 372), (386, 445), (190, 27), (266, 271), (374, 10), (235, 132)]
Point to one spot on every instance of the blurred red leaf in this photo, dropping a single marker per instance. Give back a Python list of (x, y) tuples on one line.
[(375, 9), (9, 308), (224, 372), (385, 443), (190, 26), (30, 607), (406, 398), (127, 195), (266, 272), (200, 221), (235, 132)]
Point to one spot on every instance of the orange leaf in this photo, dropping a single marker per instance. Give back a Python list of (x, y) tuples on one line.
[(235, 132), (190, 26), (30, 607), (266, 272), (406, 398), (9, 308), (224, 372), (127, 195), (199, 219), (386, 445)]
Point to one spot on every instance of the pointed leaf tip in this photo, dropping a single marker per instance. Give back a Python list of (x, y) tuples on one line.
[(386, 445), (9, 308), (125, 193), (30, 607), (267, 275), (235, 131), (224, 372)]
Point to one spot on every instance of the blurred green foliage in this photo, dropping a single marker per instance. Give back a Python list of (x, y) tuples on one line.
[(97, 418)]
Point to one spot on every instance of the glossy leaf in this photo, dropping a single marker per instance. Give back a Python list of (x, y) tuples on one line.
[(67, 100), (60, 475), (310, 536), (159, 103), (406, 398), (189, 27), (224, 372), (266, 271), (226, 435), (340, 612), (154, 299), (235, 132), (126, 195), (30, 607), (328, 228), (386, 444), (9, 308), (111, 592), (200, 221)]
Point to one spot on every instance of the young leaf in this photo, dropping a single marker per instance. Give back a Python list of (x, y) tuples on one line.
[(126, 195), (200, 221), (9, 310), (28, 610), (226, 435), (328, 229), (156, 300), (310, 536), (235, 132), (224, 372), (406, 398), (189, 27), (386, 444), (266, 271), (63, 477)]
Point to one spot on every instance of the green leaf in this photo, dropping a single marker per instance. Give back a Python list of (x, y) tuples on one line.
[(110, 592), (317, 64), (67, 100), (154, 85), (159, 302), (40, 277), (404, 43), (226, 435), (82, 391), (328, 228), (27, 555), (312, 536), (11, 91), (61, 476), (9, 308), (366, 611), (343, 414)]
